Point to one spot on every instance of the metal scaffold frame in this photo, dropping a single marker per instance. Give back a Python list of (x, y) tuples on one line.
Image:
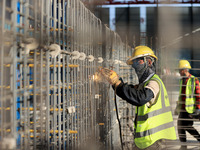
[(51, 94), (50, 97)]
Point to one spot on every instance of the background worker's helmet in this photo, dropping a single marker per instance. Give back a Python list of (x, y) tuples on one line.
[(184, 64), (141, 51)]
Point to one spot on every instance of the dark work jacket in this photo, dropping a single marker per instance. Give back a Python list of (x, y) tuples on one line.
[(134, 95)]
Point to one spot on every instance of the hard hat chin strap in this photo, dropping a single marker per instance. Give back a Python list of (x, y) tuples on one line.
[(153, 67), (152, 59), (145, 62)]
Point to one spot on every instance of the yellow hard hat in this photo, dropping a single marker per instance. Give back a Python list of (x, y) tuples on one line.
[(140, 51), (184, 64)]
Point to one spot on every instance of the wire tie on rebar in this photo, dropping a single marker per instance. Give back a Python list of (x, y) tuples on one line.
[(99, 59), (75, 55), (71, 109), (123, 63), (65, 52), (29, 44), (90, 58), (82, 56), (54, 50), (73, 132), (116, 62)]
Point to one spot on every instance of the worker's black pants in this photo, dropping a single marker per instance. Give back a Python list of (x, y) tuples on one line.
[(186, 124), (158, 145)]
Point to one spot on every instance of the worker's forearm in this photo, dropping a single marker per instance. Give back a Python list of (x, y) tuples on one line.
[(132, 95)]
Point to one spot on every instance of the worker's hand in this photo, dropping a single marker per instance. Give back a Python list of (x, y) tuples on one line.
[(177, 109), (110, 75), (197, 111), (196, 114), (175, 112), (114, 78)]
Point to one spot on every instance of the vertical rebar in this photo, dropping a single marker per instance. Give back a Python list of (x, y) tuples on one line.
[(2, 68), (41, 75), (59, 75), (14, 71), (64, 97)]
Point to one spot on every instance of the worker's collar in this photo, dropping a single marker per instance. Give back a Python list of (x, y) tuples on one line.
[(186, 77), (149, 77), (148, 73)]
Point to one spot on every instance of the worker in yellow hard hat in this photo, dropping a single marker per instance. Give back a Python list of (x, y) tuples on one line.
[(143, 61), (188, 103), (153, 118)]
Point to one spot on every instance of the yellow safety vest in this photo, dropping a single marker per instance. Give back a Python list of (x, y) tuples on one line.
[(155, 122), (189, 93)]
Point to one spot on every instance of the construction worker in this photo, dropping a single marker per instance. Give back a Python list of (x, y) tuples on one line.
[(189, 102), (153, 118)]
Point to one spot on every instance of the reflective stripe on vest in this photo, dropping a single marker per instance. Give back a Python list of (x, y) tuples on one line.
[(153, 113), (154, 130)]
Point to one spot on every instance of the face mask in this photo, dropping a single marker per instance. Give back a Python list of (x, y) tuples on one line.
[(139, 69), (136, 63)]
